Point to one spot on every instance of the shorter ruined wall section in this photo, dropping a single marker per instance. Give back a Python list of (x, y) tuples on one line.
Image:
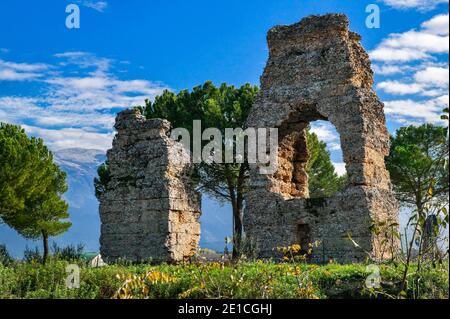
[(274, 222), (150, 209)]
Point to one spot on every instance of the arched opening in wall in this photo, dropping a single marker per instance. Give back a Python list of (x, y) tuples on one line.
[(310, 160), (326, 167)]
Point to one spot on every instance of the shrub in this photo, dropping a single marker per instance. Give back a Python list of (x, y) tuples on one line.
[(5, 257), (32, 255), (68, 253), (215, 280)]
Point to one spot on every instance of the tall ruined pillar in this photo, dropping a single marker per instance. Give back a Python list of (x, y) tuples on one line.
[(318, 70), (150, 209)]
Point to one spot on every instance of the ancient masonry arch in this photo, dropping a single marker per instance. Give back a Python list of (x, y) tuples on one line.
[(318, 70)]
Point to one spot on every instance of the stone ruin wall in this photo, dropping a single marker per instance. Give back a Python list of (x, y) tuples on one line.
[(318, 70), (150, 209)]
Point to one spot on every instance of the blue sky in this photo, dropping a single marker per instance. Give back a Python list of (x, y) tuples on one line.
[(65, 85)]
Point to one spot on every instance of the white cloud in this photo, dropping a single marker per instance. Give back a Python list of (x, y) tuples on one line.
[(72, 138), (407, 122), (100, 93), (434, 92), (19, 109), (334, 146), (433, 76), (71, 54), (340, 168), (11, 109), (423, 5), (99, 6), (425, 79), (420, 41), (395, 87), (428, 110), (437, 25), (429, 79), (414, 45), (97, 90), (11, 71), (137, 86), (325, 132), (73, 111), (386, 69), (12, 75), (86, 60), (26, 67), (394, 54), (84, 83)]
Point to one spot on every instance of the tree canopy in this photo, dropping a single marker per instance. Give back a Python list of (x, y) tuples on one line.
[(323, 179), (31, 186), (218, 107), (418, 164)]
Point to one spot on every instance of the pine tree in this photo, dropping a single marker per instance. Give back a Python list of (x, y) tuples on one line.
[(31, 186), (323, 180)]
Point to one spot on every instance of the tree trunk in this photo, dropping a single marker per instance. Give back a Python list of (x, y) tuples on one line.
[(238, 201), (45, 242), (408, 256), (237, 222)]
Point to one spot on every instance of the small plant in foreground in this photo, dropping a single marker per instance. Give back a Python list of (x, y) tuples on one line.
[(141, 286), (297, 253), (69, 253), (32, 255), (5, 257)]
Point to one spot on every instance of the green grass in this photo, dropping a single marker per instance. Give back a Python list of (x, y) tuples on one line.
[(216, 280)]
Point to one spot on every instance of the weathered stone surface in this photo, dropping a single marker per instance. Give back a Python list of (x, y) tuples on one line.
[(318, 70), (150, 209)]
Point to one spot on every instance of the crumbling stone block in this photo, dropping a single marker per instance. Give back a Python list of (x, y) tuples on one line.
[(150, 209)]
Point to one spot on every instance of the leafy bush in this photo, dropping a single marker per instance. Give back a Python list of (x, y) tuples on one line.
[(68, 253), (32, 255), (215, 280), (5, 257)]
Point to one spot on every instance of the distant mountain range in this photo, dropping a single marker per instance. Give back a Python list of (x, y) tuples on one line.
[(81, 167)]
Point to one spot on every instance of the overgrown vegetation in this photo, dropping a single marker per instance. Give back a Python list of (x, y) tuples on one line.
[(323, 180), (292, 278), (5, 257), (419, 167), (215, 280)]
